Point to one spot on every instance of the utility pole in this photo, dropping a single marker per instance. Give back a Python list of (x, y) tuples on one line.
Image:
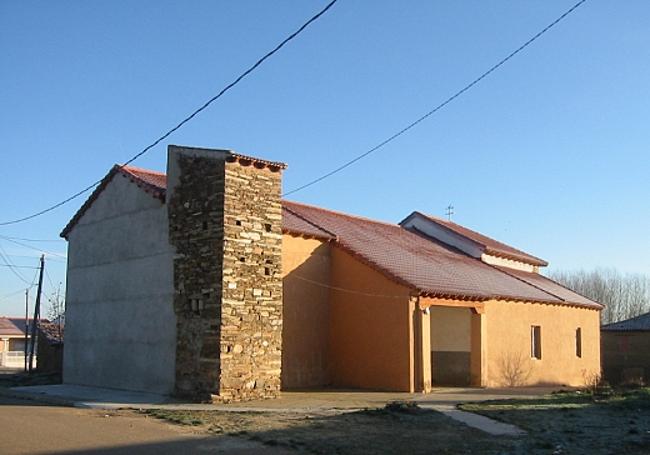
[(37, 314), (26, 325)]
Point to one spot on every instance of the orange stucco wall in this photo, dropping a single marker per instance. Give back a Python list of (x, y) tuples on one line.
[(371, 329), (347, 325), (306, 276), (508, 341)]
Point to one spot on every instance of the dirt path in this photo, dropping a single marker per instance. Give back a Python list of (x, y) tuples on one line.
[(27, 427)]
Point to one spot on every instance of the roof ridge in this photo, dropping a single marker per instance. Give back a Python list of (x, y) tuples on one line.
[(448, 225), (501, 269), (446, 222), (124, 172), (130, 168), (444, 225), (349, 215), (569, 289), (310, 222), (428, 237)]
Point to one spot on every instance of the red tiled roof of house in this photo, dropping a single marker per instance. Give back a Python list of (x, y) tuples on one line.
[(233, 157), (429, 266), (292, 223), (154, 181), (14, 326), (489, 245), (245, 159), (419, 262), (548, 285), (51, 332)]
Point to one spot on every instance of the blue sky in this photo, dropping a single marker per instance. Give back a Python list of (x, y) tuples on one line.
[(548, 154)]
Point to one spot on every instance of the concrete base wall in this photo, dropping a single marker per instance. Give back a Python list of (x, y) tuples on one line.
[(450, 368), (120, 323)]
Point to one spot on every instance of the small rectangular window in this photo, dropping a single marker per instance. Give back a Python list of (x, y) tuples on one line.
[(578, 342), (536, 342)]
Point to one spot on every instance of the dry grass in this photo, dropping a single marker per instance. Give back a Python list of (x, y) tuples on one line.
[(579, 422), (564, 423), (400, 428)]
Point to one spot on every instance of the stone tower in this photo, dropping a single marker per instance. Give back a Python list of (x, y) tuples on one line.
[(225, 223)]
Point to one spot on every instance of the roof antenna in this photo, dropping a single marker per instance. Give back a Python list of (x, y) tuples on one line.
[(450, 211)]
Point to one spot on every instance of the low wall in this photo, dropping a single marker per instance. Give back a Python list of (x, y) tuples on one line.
[(626, 356)]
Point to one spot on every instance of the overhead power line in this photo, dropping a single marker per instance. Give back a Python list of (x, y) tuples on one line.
[(24, 245), (33, 240), (186, 119), (7, 262), (11, 294), (19, 266), (49, 279), (438, 107)]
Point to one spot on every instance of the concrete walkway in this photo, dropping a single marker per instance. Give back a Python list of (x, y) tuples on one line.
[(87, 397), (292, 401), (444, 400), (480, 422)]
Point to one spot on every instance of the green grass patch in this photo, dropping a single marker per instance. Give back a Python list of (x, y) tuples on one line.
[(607, 421)]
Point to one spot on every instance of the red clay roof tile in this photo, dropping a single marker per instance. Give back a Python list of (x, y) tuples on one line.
[(14, 326), (489, 245), (425, 264), (419, 262), (549, 286)]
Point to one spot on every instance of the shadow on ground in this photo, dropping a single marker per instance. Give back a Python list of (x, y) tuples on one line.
[(414, 431)]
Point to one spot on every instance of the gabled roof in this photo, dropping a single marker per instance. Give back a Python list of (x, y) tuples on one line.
[(293, 223), (424, 264), (638, 324), (487, 244), (429, 266), (156, 182), (152, 182), (548, 285)]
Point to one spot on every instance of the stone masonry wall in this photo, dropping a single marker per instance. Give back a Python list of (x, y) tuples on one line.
[(225, 221), (196, 230), (251, 307)]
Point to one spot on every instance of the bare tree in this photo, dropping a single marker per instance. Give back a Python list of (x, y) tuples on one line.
[(514, 368), (624, 295), (56, 310)]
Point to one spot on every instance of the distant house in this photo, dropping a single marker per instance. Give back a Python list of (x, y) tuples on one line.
[(204, 282), (626, 350), (12, 342)]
